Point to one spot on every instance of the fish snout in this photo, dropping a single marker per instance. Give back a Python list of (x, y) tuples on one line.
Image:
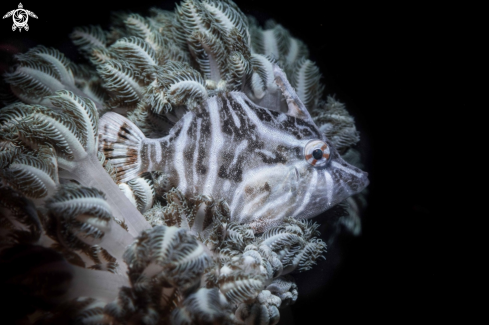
[(348, 180)]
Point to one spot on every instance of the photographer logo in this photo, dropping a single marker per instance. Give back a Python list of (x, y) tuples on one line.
[(20, 17)]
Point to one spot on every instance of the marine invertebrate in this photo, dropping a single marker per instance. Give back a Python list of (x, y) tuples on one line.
[(187, 201)]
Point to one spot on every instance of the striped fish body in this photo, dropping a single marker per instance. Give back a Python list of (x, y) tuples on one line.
[(266, 164)]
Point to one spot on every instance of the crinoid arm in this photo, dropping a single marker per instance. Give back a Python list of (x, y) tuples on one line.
[(33, 173), (72, 130), (41, 72), (88, 38)]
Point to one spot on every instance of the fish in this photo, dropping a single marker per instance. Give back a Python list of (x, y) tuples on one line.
[(265, 163)]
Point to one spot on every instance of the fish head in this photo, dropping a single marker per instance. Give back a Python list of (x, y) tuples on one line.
[(294, 171), (323, 179)]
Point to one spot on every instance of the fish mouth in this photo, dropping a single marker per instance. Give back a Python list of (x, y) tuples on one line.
[(348, 181)]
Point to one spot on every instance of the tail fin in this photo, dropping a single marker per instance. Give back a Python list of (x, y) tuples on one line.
[(121, 142)]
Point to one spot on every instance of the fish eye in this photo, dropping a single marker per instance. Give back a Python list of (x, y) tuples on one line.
[(317, 153)]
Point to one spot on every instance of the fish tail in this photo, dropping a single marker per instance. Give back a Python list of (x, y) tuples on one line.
[(121, 142)]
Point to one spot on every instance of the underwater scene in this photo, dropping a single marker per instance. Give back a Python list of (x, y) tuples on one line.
[(172, 162)]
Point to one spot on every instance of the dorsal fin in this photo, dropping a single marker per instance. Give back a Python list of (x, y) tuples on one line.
[(295, 106)]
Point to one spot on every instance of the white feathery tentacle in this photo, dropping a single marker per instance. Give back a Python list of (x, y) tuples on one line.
[(187, 202)]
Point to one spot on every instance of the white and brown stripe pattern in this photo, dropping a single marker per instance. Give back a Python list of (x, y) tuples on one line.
[(259, 160)]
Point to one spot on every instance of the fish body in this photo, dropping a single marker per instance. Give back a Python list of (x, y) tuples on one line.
[(266, 164)]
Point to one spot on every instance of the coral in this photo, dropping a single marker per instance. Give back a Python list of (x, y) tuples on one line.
[(169, 180)]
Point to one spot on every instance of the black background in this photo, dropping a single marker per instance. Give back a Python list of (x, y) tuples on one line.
[(396, 69)]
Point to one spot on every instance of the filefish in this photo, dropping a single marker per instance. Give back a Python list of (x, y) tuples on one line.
[(267, 164)]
